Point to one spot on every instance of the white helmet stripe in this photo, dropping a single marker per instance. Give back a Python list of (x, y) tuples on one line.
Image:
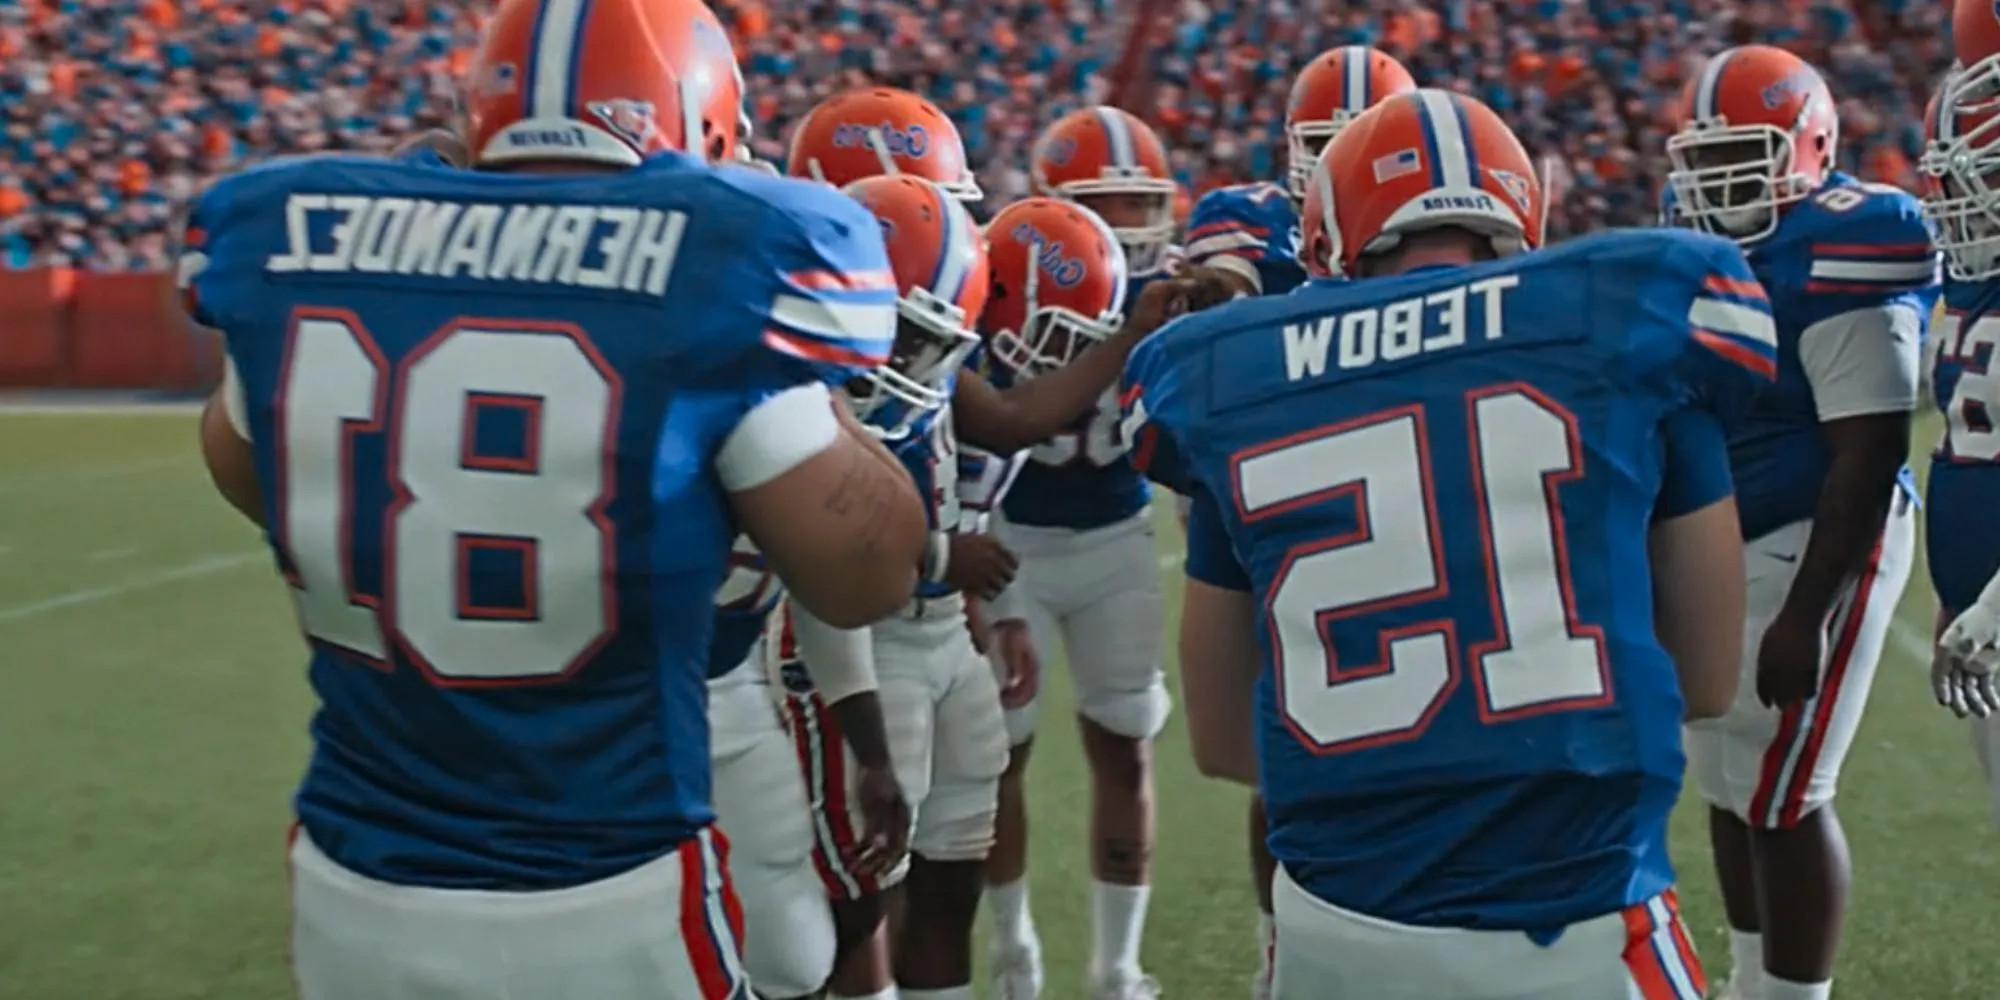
[(1355, 67), (1452, 166), (955, 256), (558, 35), (1710, 85), (1119, 137)]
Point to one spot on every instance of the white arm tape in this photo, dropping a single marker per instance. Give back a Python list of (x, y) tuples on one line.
[(840, 661), (1863, 362), (777, 436), (233, 405), (1239, 267), (1006, 607)]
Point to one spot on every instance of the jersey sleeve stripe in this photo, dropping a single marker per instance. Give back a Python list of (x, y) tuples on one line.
[(1872, 251), (1762, 361), (837, 320), (1748, 322), (1226, 243), (1227, 226), (1919, 271), (785, 342), (1725, 287), (826, 280)]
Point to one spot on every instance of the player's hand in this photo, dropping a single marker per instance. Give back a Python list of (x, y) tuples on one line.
[(1964, 664), (1190, 291), (1788, 660), (979, 565), (885, 820), (1020, 667)]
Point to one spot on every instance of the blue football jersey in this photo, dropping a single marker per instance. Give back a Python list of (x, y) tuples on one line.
[(1439, 487), (747, 596), (1963, 536), (1851, 246), (1084, 477), (487, 411), (1251, 229)]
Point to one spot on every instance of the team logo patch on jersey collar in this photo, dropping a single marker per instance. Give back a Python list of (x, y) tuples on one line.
[(632, 121)]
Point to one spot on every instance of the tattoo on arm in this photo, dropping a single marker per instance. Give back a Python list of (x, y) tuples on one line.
[(864, 494)]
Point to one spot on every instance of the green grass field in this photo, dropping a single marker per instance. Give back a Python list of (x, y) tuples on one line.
[(152, 722)]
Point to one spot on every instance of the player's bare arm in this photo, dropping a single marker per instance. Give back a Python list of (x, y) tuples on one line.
[(1219, 666), (1031, 411), (1868, 454), (1698, 602), (843, 528), (841, 663), (225, 448)]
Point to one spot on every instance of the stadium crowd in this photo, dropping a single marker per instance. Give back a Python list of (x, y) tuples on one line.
[(116, 110)]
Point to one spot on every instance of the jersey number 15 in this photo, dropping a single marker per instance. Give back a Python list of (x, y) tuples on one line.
[(541, 511), (1540, 658)]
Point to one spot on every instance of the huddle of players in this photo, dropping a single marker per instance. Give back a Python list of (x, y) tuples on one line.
[(503, 534)]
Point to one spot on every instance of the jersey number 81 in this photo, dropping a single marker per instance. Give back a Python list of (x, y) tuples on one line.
[(542, 511), (1539, 660)]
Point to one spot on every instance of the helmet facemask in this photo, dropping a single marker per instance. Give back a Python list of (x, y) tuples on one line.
[(932, 342), (1139, 211), (1306, 141), (1733, 180), (1961, 166)]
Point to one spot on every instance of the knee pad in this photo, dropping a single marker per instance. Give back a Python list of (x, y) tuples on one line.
[(788, 932), (1135, 715), (956, 823)]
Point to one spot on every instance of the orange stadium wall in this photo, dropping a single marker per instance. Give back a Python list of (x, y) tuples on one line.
[(68, 329)]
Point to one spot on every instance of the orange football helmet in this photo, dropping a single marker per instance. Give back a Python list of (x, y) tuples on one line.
[(939, 258), (1425, 160), (1975, 40), (610, 82), (838, 141), (1103, 154), (1758, 133), (1058, 284), (1335, 87)]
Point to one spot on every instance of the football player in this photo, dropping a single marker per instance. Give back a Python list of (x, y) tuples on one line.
[(501, 430), (938, 258), (1413, 496), (1826, 501), (1078, 516), (1251, 231), (1961, 168)]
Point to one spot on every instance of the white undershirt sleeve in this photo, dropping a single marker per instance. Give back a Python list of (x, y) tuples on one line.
[(777, 436), (1864, 362), (840, 661)]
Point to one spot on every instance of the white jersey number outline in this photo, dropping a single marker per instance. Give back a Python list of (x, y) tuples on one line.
[(1101, 441), (1542, 660), (1969, 415), (544, 508)]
